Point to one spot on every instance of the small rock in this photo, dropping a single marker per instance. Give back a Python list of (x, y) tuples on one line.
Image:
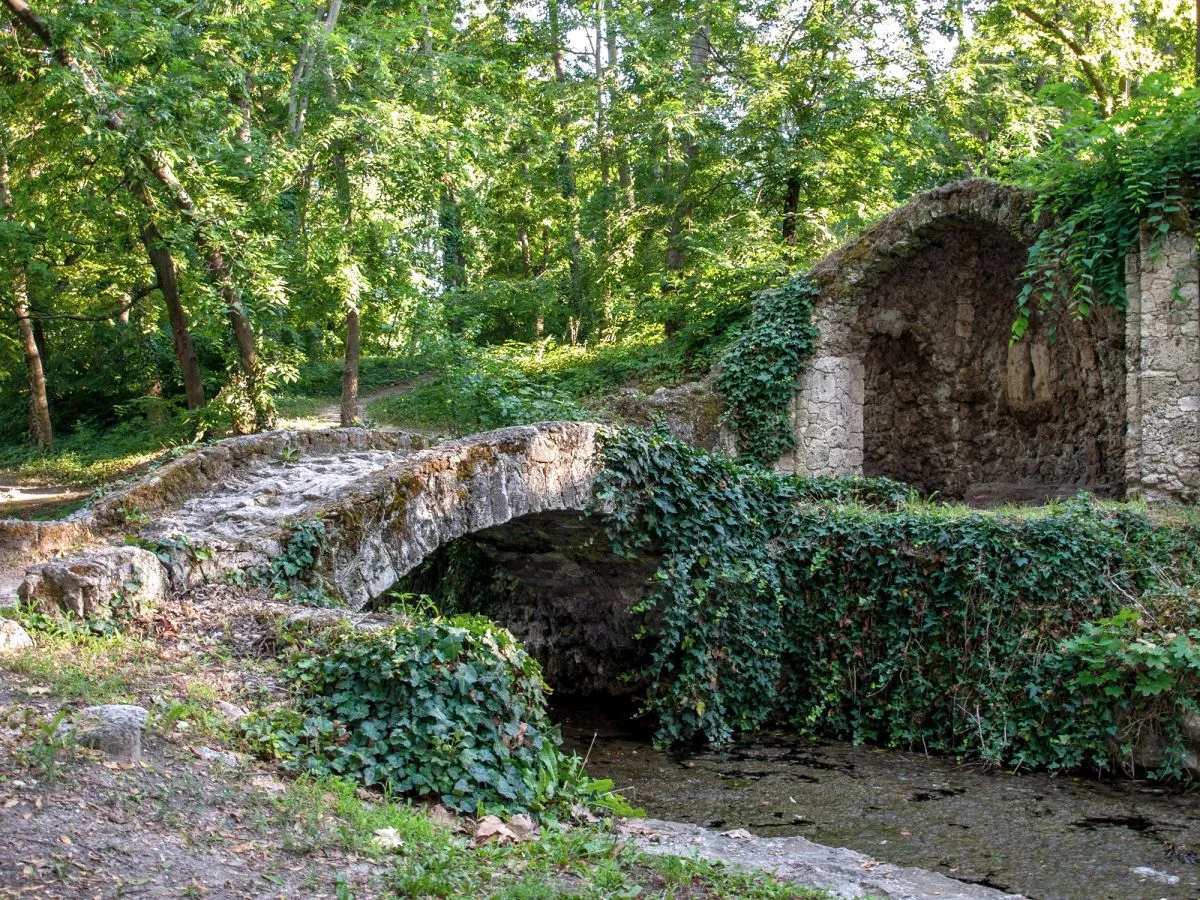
[(208, 754), (738, 834), (269, 784), (1155, 875), (115, 729), (13, 637), (231, 712)]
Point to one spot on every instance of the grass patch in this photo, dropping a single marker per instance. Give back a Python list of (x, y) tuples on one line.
[(88, 670), (434, 861)]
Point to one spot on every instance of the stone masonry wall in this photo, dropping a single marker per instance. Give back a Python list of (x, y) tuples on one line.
[(1163, 365)]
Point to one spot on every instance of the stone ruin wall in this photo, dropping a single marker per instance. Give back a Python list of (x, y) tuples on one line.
[(1163, 368), (914, 375)]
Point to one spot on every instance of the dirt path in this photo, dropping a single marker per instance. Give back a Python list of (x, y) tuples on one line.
[(330, 415), (25, 501)]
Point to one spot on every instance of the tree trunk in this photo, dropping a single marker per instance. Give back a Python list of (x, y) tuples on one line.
[(158, 166), (454, 258), (577, 314), (791, 209), (185, 350), (350, 363), (624, 173), (40, 432), (681, 215)]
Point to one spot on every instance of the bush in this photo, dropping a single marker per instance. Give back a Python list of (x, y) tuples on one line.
[(448, 709)]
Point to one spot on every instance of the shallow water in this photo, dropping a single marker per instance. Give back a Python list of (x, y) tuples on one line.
[(1045, 837)]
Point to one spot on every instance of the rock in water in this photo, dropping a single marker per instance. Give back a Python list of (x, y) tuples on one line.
[(114, 729), (87, 584), (13, 637)]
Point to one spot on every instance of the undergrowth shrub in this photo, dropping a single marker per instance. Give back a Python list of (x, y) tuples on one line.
[(874, 619), (453, 710)]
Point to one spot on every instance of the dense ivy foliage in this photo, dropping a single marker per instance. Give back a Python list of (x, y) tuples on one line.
[(1102, 183), (758, 373), (451, 710), (874, 619)]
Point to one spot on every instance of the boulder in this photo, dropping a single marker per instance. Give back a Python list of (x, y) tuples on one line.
[(13, 637), (114, 729), (92, 583), (692, 412)]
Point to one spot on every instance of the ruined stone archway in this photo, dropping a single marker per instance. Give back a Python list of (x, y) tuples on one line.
[(915, 377)]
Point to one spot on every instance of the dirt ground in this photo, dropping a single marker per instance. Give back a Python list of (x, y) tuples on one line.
[(175, 824)]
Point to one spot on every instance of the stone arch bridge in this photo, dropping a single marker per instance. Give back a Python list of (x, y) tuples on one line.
[(387, 501)]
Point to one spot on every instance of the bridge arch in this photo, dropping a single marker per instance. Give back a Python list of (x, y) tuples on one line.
[(398, 516)]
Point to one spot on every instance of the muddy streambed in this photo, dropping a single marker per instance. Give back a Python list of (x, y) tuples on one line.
[(1044, 837)]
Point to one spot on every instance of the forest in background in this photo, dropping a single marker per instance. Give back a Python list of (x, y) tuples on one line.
[(206, 206)]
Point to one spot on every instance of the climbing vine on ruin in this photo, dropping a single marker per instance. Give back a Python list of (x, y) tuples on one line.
[(874, 618), (1100, 184), (758, 372)]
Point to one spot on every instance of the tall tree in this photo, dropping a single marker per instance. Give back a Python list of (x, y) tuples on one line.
[(40, 431), (215, 256)]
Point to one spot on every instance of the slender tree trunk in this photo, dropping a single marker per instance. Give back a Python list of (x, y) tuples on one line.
[(40, 431), (454, 258), (624, 173), (352, 353), (350, 366), (576, 302), (241, 99), (168, 283), (157, 164), (682, 213), (1196, 72), (791, 209), (297, 97)]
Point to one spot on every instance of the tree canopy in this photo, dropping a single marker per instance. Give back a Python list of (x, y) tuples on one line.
[(197, 198)]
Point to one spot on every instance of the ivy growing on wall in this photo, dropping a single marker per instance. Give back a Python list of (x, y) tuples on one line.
[(1100, 183), (874, 618), (758, 372)]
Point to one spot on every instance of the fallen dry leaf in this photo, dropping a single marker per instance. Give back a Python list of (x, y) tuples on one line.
[(525, 828), (443, 818), (490, 828)]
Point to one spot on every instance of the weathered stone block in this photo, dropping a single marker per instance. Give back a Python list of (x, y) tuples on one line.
[(114, 729), (87, 585)]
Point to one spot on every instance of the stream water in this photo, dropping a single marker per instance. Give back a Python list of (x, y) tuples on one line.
[(1045, 837)]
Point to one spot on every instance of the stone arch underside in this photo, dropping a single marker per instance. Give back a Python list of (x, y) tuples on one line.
[(402, 515), (915, 377)]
